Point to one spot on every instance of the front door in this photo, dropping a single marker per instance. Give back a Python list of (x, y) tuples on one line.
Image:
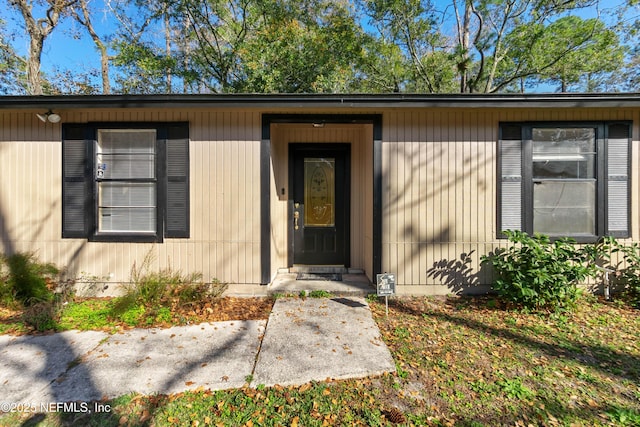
[(319, 209)]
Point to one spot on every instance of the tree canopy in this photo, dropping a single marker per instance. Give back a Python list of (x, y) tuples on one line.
[(12, 67), (326, 46)]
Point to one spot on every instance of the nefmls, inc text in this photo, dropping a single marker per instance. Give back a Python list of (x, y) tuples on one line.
[(49, 407)]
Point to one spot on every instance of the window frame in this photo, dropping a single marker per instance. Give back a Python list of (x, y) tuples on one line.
[(160, 158), (527, 181), (86, 134)]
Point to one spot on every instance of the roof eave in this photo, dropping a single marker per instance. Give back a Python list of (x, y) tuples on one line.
[(337, 101)]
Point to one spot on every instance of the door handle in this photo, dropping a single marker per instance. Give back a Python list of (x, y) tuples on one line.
[(296, 215)]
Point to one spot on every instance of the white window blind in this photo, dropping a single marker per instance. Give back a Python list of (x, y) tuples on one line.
[(126, 174)]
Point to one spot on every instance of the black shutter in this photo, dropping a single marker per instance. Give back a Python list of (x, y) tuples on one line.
[(510, 178), (77, 193), (177, 197), (617, 187)]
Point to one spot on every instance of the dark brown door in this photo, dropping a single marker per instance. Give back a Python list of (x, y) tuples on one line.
[(319, 212)]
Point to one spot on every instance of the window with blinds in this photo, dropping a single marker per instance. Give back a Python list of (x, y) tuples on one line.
[(564, 179), (126, 177), (125, 182)]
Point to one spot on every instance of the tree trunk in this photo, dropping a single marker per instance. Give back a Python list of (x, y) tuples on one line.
[(167, 40), (38, 31), (466, 35), (104, 64), (36, 41), (85, 21)]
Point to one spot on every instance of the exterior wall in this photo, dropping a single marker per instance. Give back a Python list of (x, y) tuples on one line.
[(224, 190), (439, 192), (361, 139)]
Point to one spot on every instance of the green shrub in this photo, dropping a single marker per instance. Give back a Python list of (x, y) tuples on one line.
[(7, 298), (156, 291), (122, 304), (42, 316), (194, 291), (535, 272), (24, 279)]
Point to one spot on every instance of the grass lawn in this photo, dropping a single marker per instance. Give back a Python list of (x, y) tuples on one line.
[(460, 362)]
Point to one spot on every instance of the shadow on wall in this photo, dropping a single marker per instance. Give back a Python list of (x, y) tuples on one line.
[(7, 244), (440, 199), (459, 276)]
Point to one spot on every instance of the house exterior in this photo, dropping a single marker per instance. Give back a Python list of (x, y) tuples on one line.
[(239, 187)]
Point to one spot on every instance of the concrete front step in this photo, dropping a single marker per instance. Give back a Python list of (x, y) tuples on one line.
[(321, 269), (351, 284)]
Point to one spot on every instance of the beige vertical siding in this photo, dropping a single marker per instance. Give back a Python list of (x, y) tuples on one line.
[(438, 195), (439, 191), (30, 178), (225, 215), (360, 137)]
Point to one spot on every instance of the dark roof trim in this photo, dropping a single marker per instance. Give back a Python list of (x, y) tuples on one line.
[(324, 101)]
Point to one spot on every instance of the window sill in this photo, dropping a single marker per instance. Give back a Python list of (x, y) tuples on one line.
[(126, 238), (578, 239)]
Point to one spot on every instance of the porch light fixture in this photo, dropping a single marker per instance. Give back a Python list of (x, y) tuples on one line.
[(49, 116)]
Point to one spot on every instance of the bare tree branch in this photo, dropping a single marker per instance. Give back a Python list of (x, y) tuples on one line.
[(38, 31), (85, 21)]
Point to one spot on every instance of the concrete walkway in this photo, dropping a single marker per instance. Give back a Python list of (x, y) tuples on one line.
[(303, 340)]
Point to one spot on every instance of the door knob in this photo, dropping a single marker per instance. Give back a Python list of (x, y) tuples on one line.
[(296, 215)]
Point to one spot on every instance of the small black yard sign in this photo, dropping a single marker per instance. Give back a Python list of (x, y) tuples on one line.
[(386, 287), (386, 284)]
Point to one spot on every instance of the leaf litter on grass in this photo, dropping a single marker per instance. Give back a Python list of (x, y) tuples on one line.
[(478, 363), (461, 361), (97, 314)]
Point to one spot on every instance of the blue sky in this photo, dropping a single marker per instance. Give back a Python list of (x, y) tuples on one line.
[(70, 47)]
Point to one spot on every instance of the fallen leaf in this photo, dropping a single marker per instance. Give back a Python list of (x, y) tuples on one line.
[(304, 387), (145, 416)]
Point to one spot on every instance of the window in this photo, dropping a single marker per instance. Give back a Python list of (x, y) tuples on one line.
[(565, 179), (125, 182)]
